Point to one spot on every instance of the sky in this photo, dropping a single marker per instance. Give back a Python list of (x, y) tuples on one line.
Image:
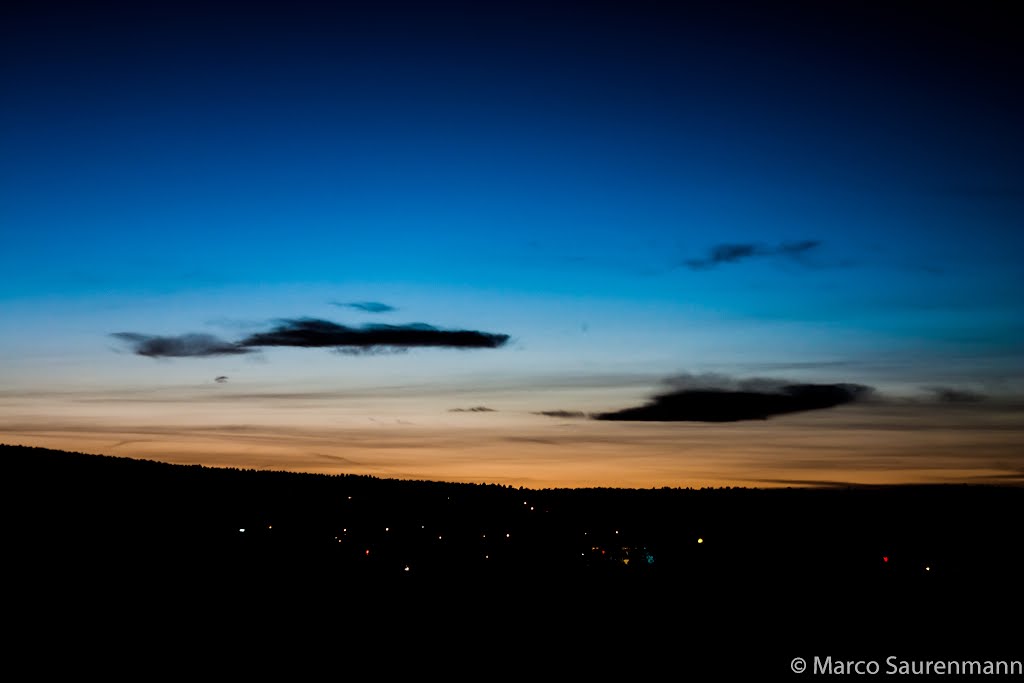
[(550, 244)]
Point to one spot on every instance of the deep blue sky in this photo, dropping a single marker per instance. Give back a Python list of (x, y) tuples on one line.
[(559, 172)]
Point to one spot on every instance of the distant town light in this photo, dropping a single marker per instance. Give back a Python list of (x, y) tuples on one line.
[(241, 531)]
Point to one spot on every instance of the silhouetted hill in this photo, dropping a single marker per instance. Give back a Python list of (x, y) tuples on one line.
[(656, 568)]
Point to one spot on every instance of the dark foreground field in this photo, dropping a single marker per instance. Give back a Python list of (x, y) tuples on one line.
[(111, 557)]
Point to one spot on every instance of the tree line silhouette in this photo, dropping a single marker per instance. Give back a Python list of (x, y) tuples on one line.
[(90, 531)]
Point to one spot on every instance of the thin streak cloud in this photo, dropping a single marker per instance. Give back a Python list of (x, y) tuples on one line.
[(734, 253), (699, 400), (366, 306), (314, 333), (561, 413), (185, 345)]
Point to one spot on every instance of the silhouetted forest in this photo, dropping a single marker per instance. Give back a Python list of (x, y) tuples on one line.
[(88, 533)]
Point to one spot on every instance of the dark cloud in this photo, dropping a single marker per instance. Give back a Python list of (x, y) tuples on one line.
[(725, 253), (474, 409), (950, 395), (314, 333), (369, 350), (561, 413), (186, 345), (732, 253), (366, 306), (220, 379), (703, 399)]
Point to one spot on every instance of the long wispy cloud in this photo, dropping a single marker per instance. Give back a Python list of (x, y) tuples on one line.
[(314, 333), (561, 413), (952, 395), (185, 345), (733, 253), (714, 398), (366, 306)]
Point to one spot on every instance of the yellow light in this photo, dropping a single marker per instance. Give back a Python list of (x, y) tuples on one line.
[(700, 540)]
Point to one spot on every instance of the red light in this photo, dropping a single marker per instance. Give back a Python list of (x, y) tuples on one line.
[(885, 558)]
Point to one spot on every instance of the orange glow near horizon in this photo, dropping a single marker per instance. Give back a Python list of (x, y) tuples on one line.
[(862, 444)]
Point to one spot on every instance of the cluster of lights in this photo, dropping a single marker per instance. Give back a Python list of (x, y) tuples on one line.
[(625, 559)]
